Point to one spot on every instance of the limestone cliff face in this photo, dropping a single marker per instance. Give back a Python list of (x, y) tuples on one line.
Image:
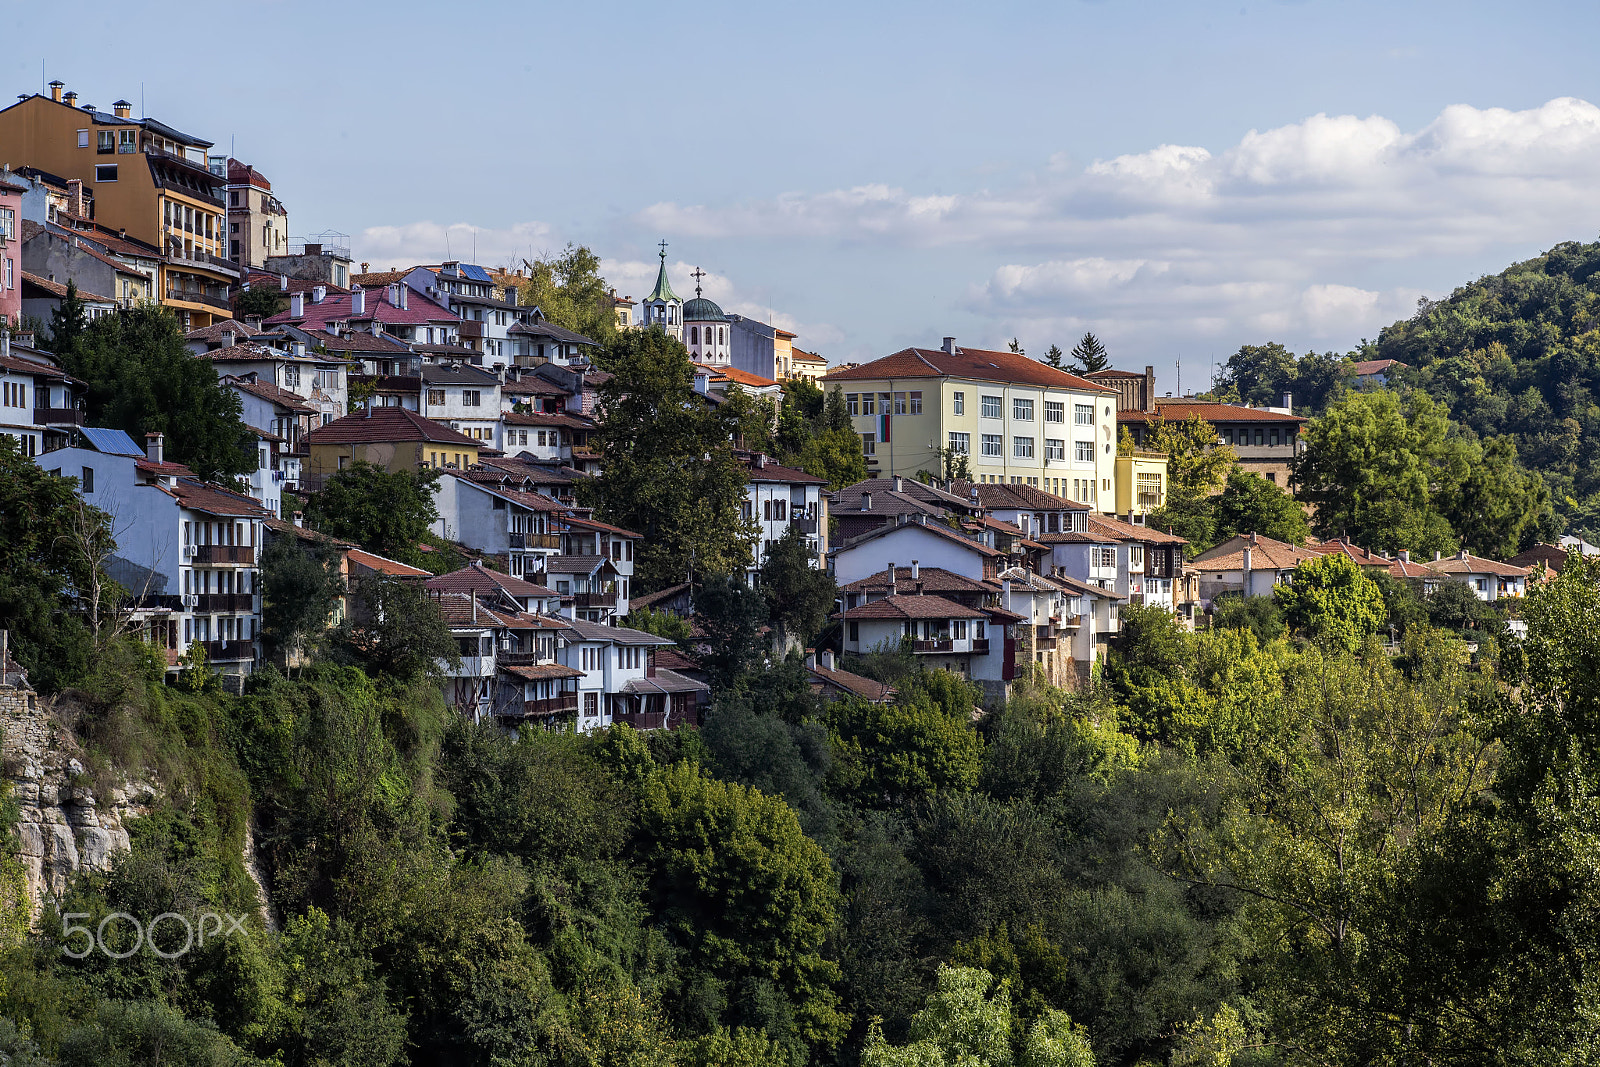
[(64, 827)]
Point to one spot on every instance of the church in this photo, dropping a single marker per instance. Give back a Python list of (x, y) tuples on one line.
[(698, 323)]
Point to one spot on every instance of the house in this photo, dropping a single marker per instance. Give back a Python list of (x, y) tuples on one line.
[(188, 551), (388, 437), (1247, 564), (535, 341), (1034, 512), (486, 311), (325, 258), (939, 631), (499, 514), (621, 682), (1265, 440), (41, 298), (1376, 373), (10, 251), (1014, 419), (1149, 564), (320, 380), (830, 683), (779, 499), (58, 255), (39, 403), (1490, 579), (600, 591), (395, 309), (140, 177), (807, 365), (936, 545), (1551, 558), (258, 223), (463, 397)]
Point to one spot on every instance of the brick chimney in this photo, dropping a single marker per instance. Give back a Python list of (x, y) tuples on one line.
[(55, 89), (75, 195), (1149, 388), (122, 109)]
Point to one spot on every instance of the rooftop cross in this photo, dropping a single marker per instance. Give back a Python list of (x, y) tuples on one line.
[(697, 274), (663, 251)]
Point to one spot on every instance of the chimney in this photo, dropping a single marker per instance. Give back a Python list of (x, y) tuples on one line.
[(891, 579), (152, 447), (1255, 539), (358, 302), (227, 338), (898, 485), (916, 570), (827, 659), (1436, 555), (950, 345), (364, 267), (866, 501), (1246, 557), (811, 659), (1149, 388), (297, 305), (55, 89), (299, 518), (299, 349), (318, 293), (405, 291), (1461, 554), (283, 283), (75, 195), (122, 109), (70, 99), (761, 461), (1288, 402)]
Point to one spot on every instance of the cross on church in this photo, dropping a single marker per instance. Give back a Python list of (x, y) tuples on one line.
[(663, 250), (697, 274)]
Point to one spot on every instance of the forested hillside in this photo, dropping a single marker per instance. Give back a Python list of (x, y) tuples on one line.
[(1518, 354)]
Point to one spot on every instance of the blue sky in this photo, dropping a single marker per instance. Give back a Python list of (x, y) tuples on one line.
[(1181, 178)]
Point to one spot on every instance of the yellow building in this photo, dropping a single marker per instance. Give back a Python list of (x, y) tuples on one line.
[(1016, 421), (393, 438), (1141, 480), (807, 365), (139, 176)]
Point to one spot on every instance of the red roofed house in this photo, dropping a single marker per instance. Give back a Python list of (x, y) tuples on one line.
[(780, 499), (1490, 579), (1375, 373), (1266, 440), (396, 309), (388, 437), (1014, 420)]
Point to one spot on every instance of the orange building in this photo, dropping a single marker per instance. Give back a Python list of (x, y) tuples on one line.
[(139, 176)]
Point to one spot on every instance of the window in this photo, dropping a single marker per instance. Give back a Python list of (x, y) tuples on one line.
[(87, 481), (127, 142), (233, 199), (1227, 436), (1055, 449), (233, 248), (1274, 438), (1022, 448), (105, 172), (8, 222), (991, 444), (1055, 411), (1136, 555), (884, 400), (10, 282), (435, 397), (1021, 410), (855, 632), (1260, 437), (852, 403), (1148, 489), (1106, 557), (105, 142), (959, 402), (83, 138), (869, 444), (991, 407), (958, 629), (899, 403), (961, 443), (1083, 414), (916, 402), (472, 398), (291, 377), (1084, 451), (869, 403)]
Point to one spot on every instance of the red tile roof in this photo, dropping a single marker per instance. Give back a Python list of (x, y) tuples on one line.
[(387, 424), (1265, 554), (571, 422), (776, 472), (966, 363), (861, 686), (933, 579), (1178, 410), (911, 606), (58, 290), (1377, 366), (742, 377), (1127, 531), (277, 395), (1465, 563), (1020, 497), (335, 307), (476, 578), (384, 565), (214, 500)]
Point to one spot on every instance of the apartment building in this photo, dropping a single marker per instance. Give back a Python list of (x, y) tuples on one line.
[(258, 223), (388, 437), (1266, 440), (11, 193), (39, 403), (462, 397), (468, 291), (140, 177), (1015, 420)]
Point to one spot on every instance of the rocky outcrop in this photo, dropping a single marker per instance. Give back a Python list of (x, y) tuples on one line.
[(64, 828)]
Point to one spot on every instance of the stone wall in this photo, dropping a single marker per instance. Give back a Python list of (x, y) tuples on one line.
[(64, 828)]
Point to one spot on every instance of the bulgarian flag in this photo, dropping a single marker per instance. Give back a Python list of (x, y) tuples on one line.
[(885, 406)]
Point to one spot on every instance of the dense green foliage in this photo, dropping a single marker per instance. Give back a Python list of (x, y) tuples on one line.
[(387, 512), (569, 291)]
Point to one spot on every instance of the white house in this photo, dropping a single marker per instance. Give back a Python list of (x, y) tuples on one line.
[(934, 544), (463, 397), (1247, 564), (779, 499), (1490, 579), (621, 683)]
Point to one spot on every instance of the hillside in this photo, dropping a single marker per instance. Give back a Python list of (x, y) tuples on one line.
[(1518, 353)]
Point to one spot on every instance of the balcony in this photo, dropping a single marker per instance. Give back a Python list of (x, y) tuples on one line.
[(942, 644), (521, 659), (227, 602), (535, 540), (471, 331), (229, 651), (980, 646), (805, 526), (1044, 644), (595, 600), (57, 417), (243, 554), (564, 704), (196, 296)]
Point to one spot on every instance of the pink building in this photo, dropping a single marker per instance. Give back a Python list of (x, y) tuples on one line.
[(11, 252)]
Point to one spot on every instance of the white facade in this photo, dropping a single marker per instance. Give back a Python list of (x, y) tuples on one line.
[(463, 398), (908, 542)]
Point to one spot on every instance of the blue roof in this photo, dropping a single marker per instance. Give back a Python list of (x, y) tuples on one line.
[(111, 442), (475, 272)]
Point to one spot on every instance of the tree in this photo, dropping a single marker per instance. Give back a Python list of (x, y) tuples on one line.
[(668, 467), (1197, 463), (387, 512), (1331, 600), (1089, 355), (890, 755), (44, 568), (750, 899), (395, 629), (141, 378), (800, 596), (1454, 606), (1498, 507), (1259, 374), (68, 321), (260, 301), (1053, 356), (1251, 504), (954, 465), (1261, 615), (300, 588), (1369, 468), (569, 291), (731, 616), (1016, 347)]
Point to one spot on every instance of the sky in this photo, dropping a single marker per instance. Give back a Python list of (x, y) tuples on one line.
[(1180, 178)]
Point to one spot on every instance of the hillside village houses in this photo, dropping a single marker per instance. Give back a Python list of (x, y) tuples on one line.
[(1024, 567)]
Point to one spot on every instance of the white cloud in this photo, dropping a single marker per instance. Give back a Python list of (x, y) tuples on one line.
[(398, 247)]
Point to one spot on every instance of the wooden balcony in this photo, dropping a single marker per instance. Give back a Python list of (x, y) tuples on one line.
[(226, 602), (526, 541), (243, 554), (229, 651), (942, 644), (980, 646), (595, 600), (57, 417), (562, 704), (805, 526), (471, 331)]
